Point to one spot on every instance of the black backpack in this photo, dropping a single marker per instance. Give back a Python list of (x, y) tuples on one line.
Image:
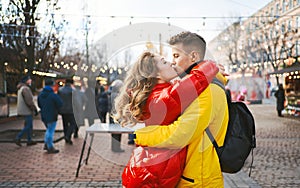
[(240, 137)]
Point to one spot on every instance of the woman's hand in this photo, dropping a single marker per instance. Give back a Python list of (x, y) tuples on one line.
[(222, 70)]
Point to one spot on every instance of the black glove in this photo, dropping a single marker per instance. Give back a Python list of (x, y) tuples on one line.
[(36, 113)]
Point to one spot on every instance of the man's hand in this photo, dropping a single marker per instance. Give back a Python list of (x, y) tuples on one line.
[(36, 113)]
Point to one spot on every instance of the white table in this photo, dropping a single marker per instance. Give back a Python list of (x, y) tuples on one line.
[(101, 128)]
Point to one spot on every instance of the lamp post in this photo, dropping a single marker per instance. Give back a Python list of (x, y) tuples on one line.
[(87, 22)]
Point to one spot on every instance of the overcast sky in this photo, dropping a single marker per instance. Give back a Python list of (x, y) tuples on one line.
[(215, 11)]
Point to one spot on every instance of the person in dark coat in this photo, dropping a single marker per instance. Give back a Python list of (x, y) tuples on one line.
[(102, 104), (90, 108), (114, 92), (79, 100), (49, 103), (280, 96), (66, 111)]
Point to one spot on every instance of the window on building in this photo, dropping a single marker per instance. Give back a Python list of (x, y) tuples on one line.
[(249, 42), (290, 25), (277, 9), (283, 6), (262, 19), (298, 2), (297, 21), (291, 4), (297, 48), (282, 54), (283, 28), (271, 33), (277, 50), (271, 14)]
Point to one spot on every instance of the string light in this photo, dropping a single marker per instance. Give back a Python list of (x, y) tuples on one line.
[(131, 19), (162, 17), (204, 18)]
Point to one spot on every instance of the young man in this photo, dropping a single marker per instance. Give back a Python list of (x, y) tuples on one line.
[(25, 108), (49, 103), (202, 167)]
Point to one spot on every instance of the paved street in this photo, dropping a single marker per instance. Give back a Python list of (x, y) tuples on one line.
[(276, 158)]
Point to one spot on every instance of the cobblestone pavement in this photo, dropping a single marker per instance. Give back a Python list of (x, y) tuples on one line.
[(277, 156), (276, 162)]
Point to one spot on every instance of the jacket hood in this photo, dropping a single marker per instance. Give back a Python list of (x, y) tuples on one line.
[(20, 84), (46, 91)]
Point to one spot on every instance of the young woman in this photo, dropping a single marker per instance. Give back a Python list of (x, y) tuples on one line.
[(148, 96)]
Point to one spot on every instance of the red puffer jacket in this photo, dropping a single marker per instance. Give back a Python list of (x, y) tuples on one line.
[(154, 167)]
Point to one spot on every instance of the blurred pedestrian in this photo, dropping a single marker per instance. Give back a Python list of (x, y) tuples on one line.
[(102, 104), (66, 111), (79, 99), (268, 89), (114, 92), (26, 108), (242, 95), (280, 96), (90, 108), (49, 103)]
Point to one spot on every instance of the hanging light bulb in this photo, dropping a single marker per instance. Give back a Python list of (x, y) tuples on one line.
[(130, 22), (169, 24)]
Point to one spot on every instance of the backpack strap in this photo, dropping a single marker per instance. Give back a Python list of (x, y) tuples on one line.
[(209, 134), (211, 137), (218, 82)]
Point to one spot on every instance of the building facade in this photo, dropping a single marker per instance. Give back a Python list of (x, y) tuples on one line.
[(254, 48)]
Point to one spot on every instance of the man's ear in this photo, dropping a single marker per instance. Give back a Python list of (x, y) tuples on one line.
[(194, 56)]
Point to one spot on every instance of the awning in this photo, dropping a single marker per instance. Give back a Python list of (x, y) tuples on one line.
[(292, 68)]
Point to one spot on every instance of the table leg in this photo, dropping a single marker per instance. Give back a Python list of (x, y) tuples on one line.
[(81, 155), (90, 146)]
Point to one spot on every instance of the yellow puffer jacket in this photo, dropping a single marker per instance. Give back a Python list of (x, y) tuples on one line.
[(202, 164)]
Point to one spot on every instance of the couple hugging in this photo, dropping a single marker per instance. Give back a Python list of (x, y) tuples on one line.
[(173, 149)]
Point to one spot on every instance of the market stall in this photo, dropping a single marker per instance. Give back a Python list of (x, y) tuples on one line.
[(291, 77)]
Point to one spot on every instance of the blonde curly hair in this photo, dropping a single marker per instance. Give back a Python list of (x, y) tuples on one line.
[(138, 84)]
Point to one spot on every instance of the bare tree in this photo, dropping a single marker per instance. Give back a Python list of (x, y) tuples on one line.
[(275, 43), (252, 47), (31, 49), (98, 60)]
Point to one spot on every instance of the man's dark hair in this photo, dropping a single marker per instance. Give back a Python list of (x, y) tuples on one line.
[(192, 41), (25, 78), (49, 82), (69, 81)]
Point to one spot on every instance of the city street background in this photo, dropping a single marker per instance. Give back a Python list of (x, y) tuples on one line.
[(276, 158)]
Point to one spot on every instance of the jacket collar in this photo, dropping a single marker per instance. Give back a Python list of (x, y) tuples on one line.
[(188, 70)]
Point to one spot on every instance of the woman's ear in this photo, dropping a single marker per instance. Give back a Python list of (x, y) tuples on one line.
[(158, 76)]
